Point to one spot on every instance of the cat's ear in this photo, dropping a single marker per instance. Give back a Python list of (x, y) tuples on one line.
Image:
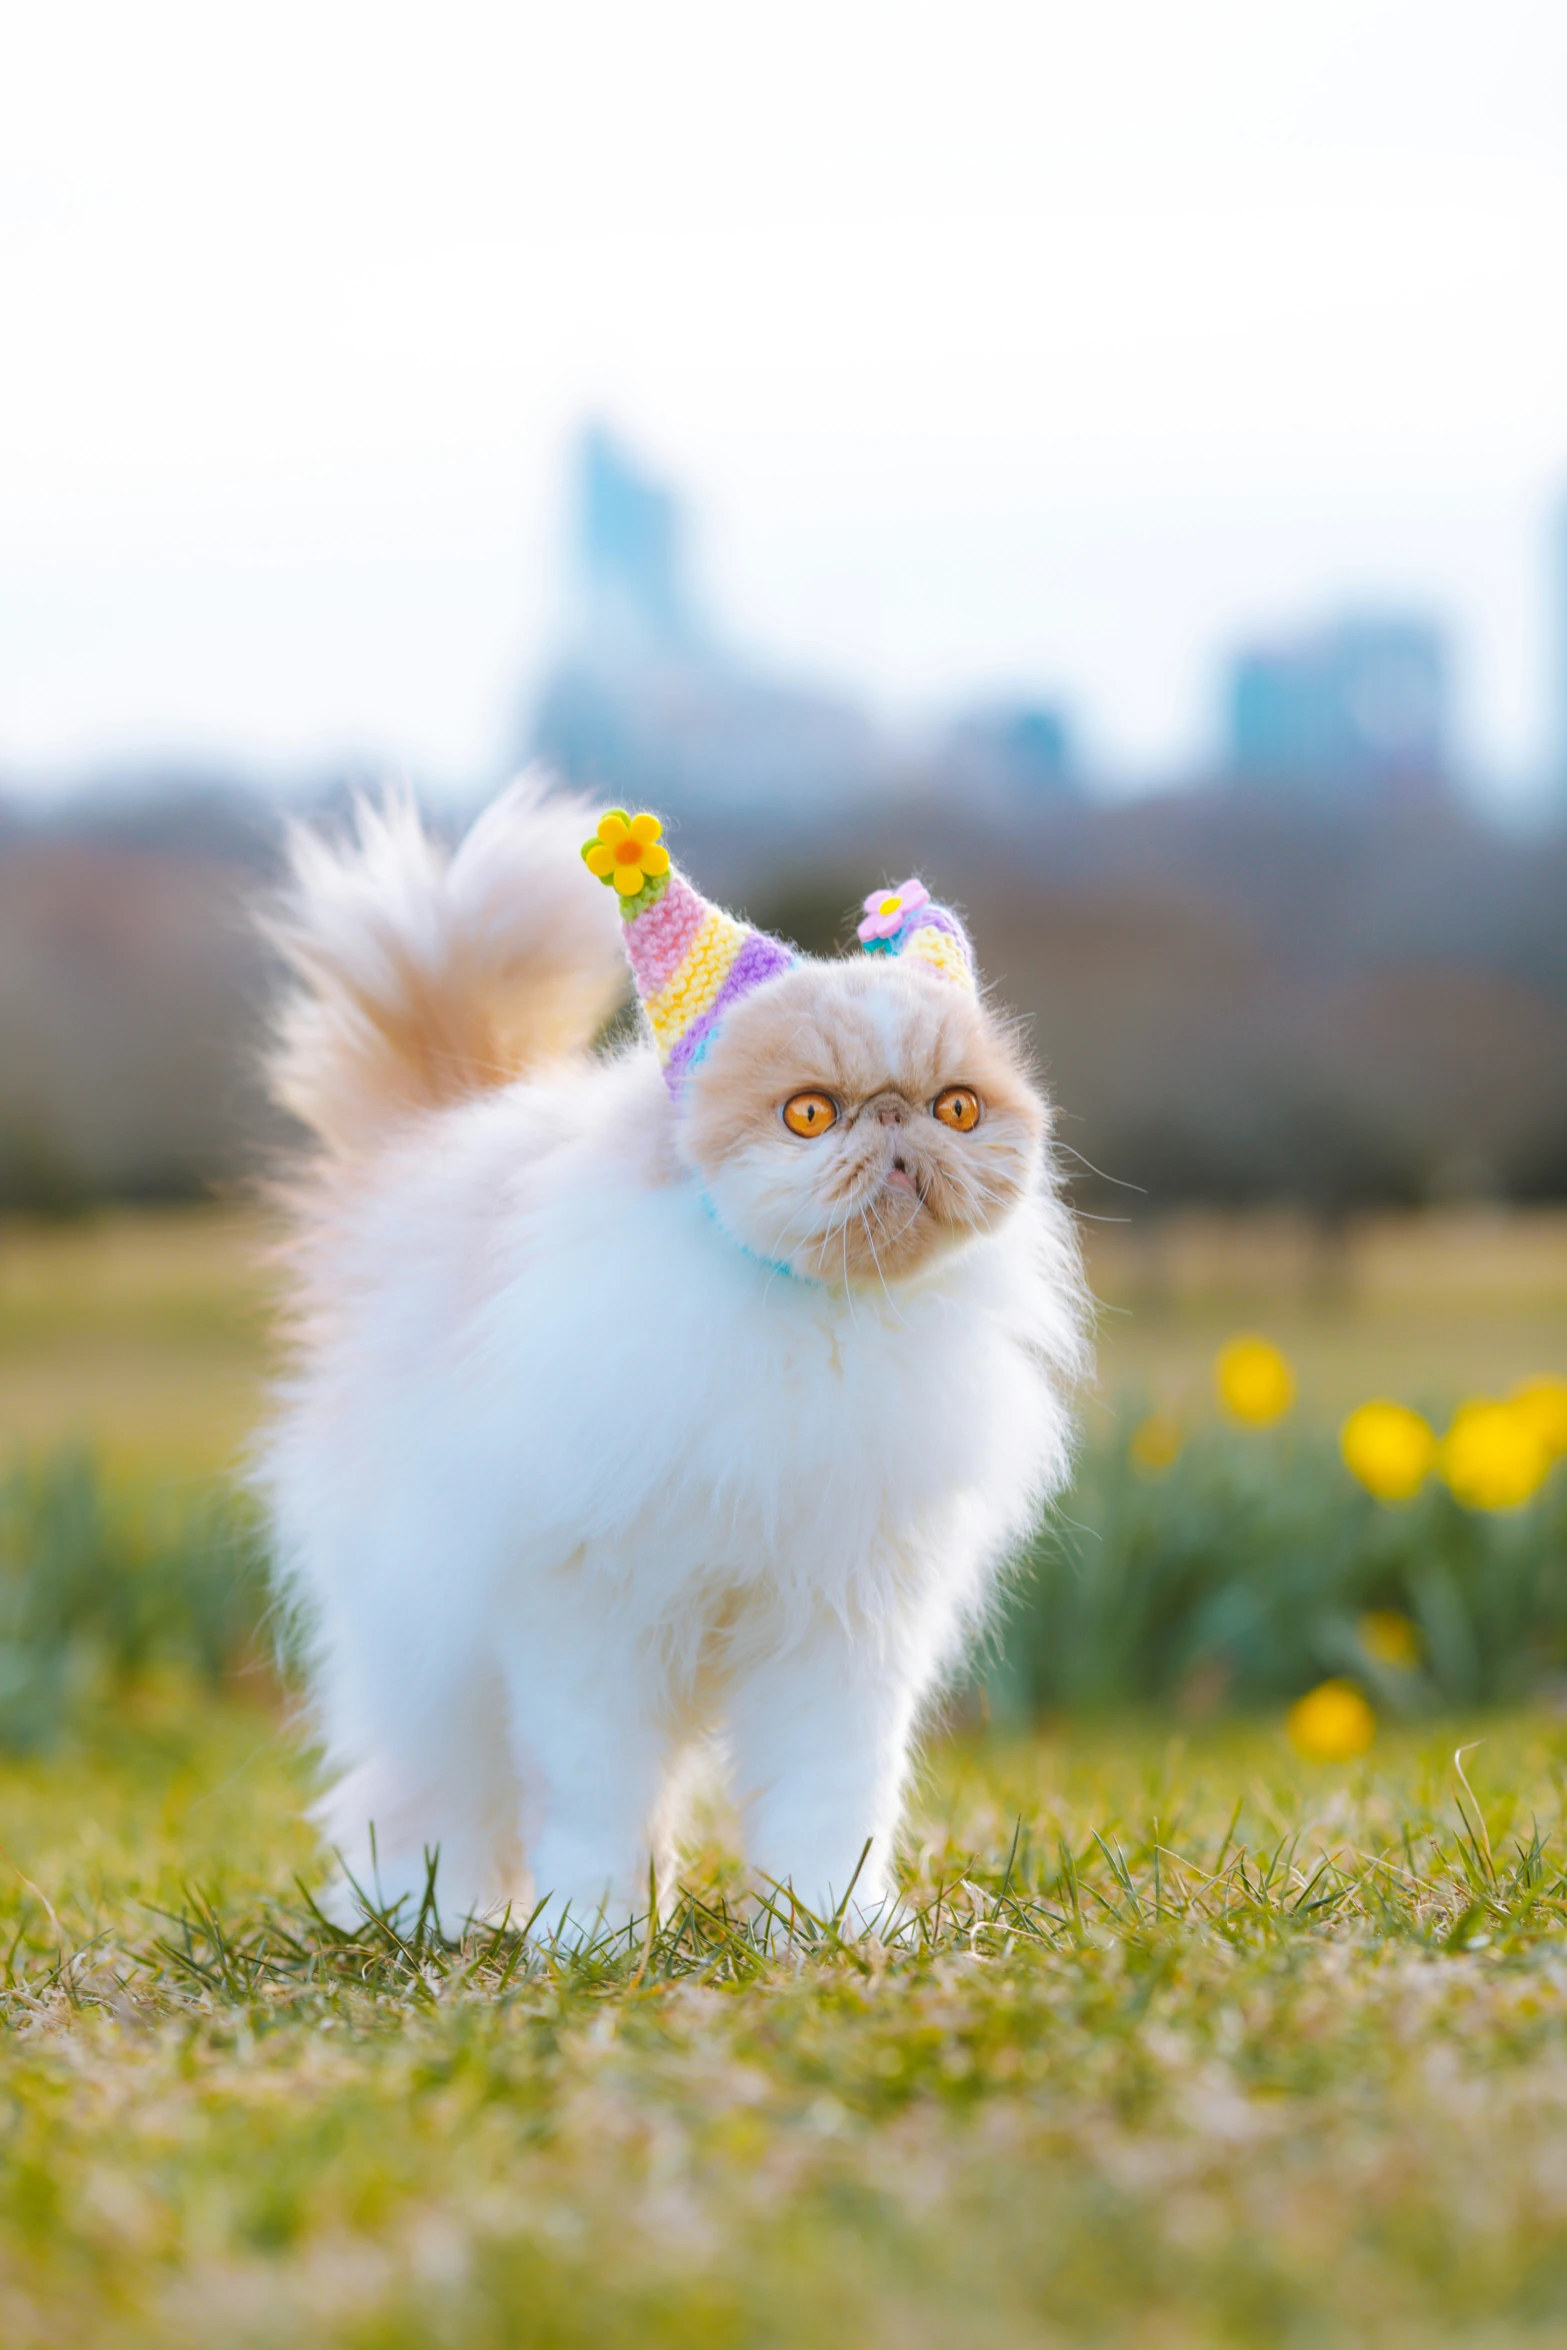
[(908, 923)]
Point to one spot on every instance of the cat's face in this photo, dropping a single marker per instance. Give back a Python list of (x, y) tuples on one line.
[(854, 1120)]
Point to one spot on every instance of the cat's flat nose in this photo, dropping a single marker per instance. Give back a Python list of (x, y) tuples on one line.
[(891, 1113)]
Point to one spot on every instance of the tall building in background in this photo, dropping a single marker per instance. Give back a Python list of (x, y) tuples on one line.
[(1020, 753), (628, 554), (644, 700), (647, 701), (1361, 705)]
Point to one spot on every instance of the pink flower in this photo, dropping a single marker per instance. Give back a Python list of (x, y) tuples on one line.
[(886, 910)]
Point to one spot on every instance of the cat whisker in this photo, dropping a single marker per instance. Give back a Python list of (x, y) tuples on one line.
[(876, 1261), (847, 1283)]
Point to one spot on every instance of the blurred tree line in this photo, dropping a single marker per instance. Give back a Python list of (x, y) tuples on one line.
[(1236, 995)]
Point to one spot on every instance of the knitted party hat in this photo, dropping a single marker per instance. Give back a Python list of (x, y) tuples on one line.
[(692, 962), (908, 923)]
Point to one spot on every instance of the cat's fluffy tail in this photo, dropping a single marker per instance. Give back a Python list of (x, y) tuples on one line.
[(423, 975)]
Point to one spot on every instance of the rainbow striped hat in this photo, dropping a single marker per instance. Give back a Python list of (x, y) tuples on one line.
[(907, 922), (692, 962)]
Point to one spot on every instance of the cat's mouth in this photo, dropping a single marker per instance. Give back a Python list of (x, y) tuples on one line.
[(901, 1178), (899, 1191)]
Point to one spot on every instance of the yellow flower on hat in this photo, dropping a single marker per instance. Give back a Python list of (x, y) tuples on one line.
[(626, 852)]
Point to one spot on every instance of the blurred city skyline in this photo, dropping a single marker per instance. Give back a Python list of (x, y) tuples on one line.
[(1037, 363), (649, 699)]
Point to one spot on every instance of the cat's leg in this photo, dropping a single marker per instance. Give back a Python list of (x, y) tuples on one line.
[(821, 1734), (393, 1588), (422, 1774), (590, 1743)]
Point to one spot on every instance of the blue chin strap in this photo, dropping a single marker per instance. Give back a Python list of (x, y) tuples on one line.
[(768, 1264)]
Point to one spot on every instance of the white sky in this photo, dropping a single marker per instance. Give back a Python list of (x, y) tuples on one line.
[(1050, 345)]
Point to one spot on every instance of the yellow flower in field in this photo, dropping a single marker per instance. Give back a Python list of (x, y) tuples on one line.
[(1389, 1448), (1543, 1403), (1331, 1723), (1254, 1381), (1493, 1457), (1390, 1638), (626, 851), (1156, 1444)]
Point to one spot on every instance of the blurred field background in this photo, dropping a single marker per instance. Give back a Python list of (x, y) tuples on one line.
[(1211, 1554), (143, 1333)]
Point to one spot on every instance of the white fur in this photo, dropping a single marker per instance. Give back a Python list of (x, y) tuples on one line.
[(566, 1480)]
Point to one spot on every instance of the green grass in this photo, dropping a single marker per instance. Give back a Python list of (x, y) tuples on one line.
[(1186, 2042), (102, 1584)]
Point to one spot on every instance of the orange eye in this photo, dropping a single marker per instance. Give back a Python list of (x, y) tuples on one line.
[(810, 1113), (957, 1107)]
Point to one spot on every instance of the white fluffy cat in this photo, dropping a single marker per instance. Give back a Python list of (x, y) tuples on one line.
[(642, 1404)]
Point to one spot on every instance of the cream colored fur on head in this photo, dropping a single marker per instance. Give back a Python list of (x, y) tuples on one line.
[(618, 1431)]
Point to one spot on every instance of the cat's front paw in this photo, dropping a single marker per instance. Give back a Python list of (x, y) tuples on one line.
[(810, 1901), (584, 1921), (579, 1902)]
